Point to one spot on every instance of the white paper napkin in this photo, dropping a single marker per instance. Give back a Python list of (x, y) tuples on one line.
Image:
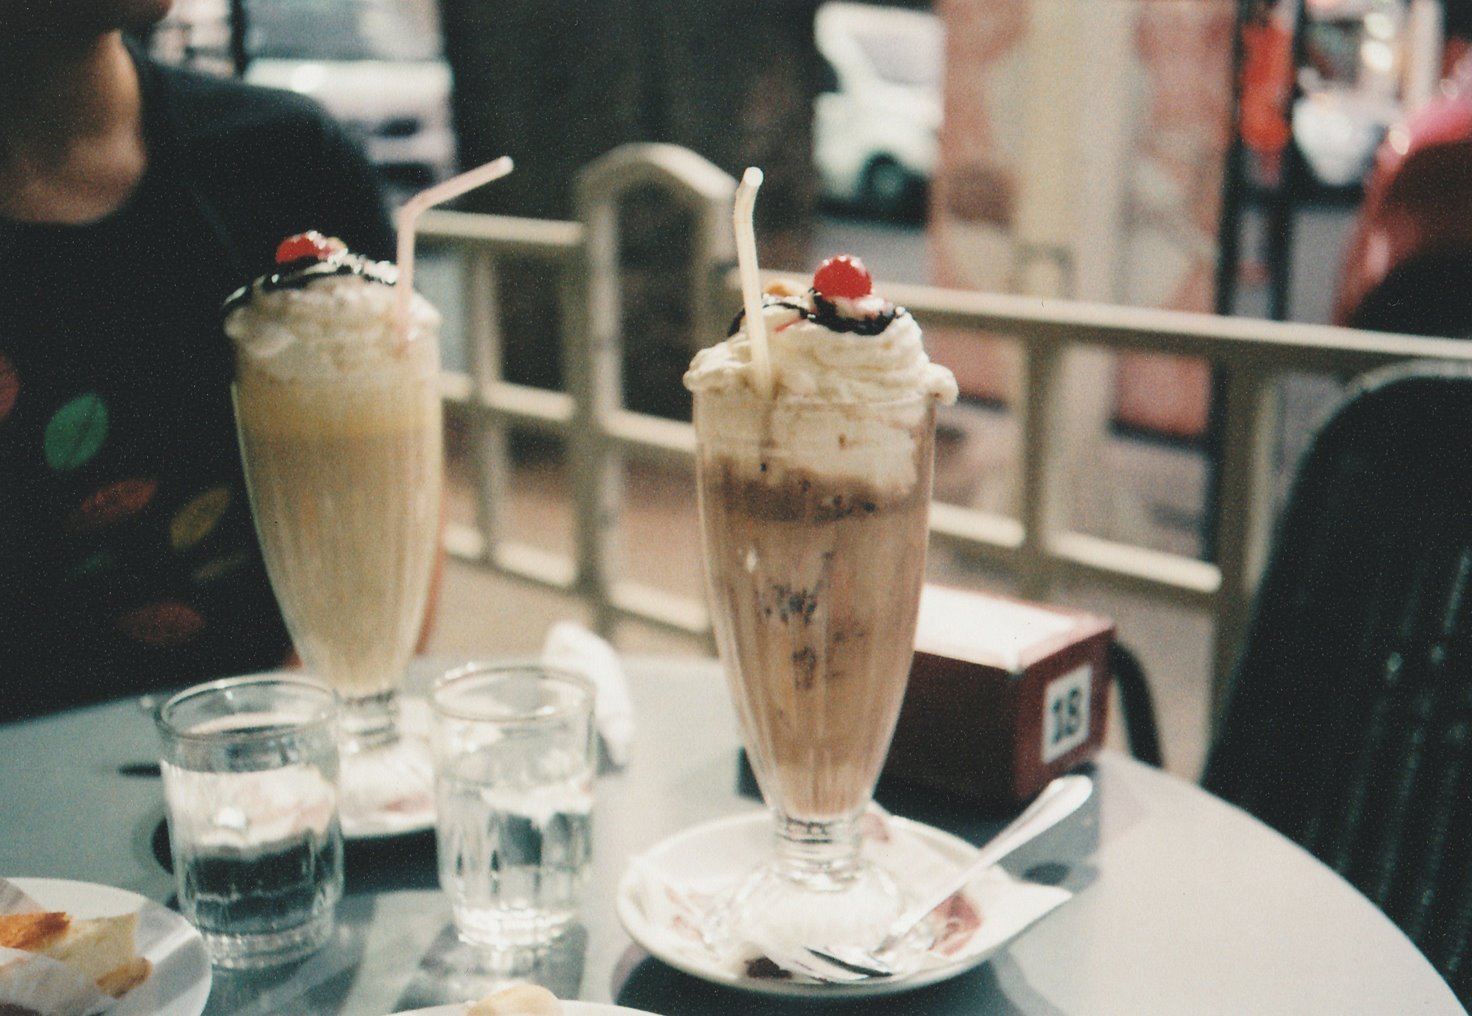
[(570, 646)]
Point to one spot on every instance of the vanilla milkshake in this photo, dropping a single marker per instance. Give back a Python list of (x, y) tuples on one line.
[(339, 416), (814, 503)]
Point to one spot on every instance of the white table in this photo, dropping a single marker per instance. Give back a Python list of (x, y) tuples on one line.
[(1184, 905)]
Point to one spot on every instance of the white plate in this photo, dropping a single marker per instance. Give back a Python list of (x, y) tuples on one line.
[(568, 1009), (180, 982), (719, 852)]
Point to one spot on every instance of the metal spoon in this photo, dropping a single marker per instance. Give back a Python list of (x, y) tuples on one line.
[(1059, 799)]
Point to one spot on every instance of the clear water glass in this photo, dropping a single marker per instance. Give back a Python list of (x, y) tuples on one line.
[(514, 767), (250, 768)]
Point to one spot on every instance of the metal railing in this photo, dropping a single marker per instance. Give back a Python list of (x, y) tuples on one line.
[(1038, 549)]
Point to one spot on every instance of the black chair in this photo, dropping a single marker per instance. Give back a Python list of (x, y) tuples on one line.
[(1348, 719), (1136, 706)]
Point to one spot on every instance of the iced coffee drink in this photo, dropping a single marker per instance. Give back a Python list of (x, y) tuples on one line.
[(814, 503), (339, 418), (814, 560)]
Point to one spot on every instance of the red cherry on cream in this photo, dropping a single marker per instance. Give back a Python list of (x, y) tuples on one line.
[(843, 276), (310, 244)]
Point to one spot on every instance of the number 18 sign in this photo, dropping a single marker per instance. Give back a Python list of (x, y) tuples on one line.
[(1066, 712)]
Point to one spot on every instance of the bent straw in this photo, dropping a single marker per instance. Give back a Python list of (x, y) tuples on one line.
[(407, 221), (751, 290)]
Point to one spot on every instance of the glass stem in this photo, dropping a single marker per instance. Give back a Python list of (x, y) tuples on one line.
[(821, 855), (370, 722)]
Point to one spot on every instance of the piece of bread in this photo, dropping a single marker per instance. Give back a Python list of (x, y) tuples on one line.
[(32, 932), (101, 949), (118, 981), (517, 1000)]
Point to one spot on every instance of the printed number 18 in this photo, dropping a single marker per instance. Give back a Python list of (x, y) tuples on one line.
[(1067, 715)]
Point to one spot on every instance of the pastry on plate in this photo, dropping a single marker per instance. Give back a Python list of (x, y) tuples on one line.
[(517, 1000), (101, 949)]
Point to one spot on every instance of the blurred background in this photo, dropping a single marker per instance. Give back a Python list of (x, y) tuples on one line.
[(1222, 156)]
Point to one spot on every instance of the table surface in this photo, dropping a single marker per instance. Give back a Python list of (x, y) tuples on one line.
[(1183, 903)]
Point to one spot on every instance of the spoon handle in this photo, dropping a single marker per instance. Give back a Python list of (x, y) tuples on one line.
[(1059, 799)]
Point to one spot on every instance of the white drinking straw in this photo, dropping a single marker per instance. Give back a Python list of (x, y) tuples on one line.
[(407, 221), (751, 287)]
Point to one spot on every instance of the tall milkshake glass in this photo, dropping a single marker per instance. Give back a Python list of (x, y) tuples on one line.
[(815, 439), (815, 522), (339, 419)]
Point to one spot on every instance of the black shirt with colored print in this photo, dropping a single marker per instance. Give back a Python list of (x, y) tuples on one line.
[(128, 561)]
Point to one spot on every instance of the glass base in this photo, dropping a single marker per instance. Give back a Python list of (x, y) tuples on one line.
[(368, 722), (452, 971), (386, 786), (500, 929), (250, 952), (772, 903)]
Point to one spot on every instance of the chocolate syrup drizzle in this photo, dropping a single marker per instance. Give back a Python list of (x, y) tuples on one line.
[(302, 272), (825, 313)]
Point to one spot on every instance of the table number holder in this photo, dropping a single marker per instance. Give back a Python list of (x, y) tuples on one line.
[(1004, 695)]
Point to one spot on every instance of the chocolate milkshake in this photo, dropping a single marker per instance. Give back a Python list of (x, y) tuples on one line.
[(814, 503)]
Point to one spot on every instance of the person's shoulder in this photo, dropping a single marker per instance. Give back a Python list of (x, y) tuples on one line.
[(206, 107), (270, 163)]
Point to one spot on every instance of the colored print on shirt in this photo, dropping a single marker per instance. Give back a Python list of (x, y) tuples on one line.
[(198, 518), (9, 387), (110, 504), (219, 568), (167, 623), (76, 433), (91, 565)]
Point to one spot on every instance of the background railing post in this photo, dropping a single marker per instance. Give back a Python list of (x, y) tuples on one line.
[(1039, 508), (489, 454), (594, 350), (591, 365)]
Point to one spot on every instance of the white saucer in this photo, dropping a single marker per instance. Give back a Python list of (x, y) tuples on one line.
[(390, 792), (660, 894), (180, 982), (568, 1009)]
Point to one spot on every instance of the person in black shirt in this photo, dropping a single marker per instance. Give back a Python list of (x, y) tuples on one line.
[(133, 198)]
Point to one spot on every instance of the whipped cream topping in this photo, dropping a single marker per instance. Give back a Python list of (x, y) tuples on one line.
[(327, 320), (874, 444), (811, 360)]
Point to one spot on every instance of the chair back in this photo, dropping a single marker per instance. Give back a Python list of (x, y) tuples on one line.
[(1348, 720)]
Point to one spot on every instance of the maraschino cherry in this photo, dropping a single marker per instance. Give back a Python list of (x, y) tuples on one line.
[(843, 276), (310, 244)]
